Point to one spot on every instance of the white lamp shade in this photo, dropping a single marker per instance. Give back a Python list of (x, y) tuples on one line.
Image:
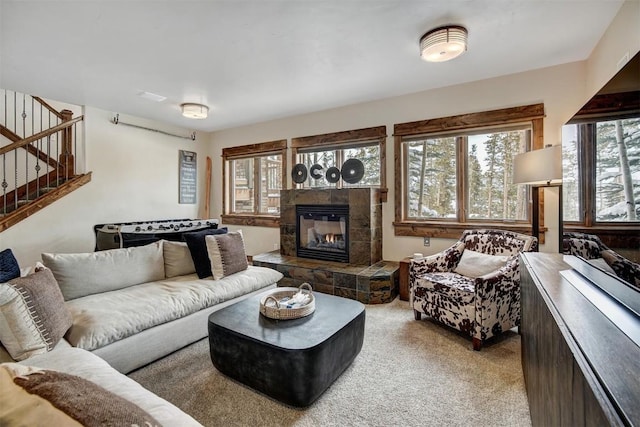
[(194, 111), (443, 44), (542, 166)]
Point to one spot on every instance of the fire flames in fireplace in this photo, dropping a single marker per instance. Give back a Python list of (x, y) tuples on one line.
[(322, 232)]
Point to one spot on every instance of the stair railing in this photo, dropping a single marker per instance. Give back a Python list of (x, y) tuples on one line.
[(28, 174)]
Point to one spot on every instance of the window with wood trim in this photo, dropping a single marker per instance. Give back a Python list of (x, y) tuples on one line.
[(601, 163), (322, 153), (253, 176), (455, 173)]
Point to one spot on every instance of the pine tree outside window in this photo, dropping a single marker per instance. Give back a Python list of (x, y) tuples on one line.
[(334, 149), (601, 171), (486, 166), (368, 154), (454, 173)]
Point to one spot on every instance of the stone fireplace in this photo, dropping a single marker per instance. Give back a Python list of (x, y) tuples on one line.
[(362, 212), (362, 275)]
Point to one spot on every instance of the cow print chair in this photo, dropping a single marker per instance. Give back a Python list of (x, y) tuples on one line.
[(473, 286), (591, 248)]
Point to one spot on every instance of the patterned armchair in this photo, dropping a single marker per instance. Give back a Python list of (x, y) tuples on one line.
[(590, 247), (456, 289)]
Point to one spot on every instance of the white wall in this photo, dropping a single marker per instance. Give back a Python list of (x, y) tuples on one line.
[(135, 178), (135, 172), (563, 89), (560, 88), (621, 40)]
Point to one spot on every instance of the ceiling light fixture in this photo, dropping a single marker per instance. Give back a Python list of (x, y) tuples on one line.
[(443, 43), (194, 111)]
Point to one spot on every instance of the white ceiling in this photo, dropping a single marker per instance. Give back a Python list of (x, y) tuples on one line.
[(257, 60)]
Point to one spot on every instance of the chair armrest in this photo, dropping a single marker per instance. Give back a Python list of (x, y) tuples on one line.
[(506, 278), (446, 260)]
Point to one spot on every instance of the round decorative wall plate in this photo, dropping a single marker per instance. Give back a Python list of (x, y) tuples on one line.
[(333, 174), (316, 171), (352, 171), (299, 173)]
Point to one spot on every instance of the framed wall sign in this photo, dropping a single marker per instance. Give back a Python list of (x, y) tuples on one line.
[(187, 175)]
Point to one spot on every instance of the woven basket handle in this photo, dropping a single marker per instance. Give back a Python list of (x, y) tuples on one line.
[(274, 300), (306, 287)]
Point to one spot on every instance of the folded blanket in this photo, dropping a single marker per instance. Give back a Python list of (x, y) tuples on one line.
[(60, 399)]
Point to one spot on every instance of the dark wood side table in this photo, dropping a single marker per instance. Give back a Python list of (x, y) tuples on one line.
[(403, 279), (579, 368)]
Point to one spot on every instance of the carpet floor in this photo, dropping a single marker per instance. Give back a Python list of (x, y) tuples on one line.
[(409, 373)]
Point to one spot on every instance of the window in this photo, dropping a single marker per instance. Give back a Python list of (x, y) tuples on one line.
[(253, 177), (601, 171), (320, 152), (368, 154), (455, 173)]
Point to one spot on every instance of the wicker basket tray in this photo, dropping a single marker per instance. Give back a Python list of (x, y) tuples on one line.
[(283, 313)]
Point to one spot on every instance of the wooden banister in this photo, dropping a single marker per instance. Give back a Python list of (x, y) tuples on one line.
[(40, 135), (13, 137), (48, 107)]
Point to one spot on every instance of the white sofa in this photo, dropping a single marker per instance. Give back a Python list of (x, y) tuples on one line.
[(133, 306)]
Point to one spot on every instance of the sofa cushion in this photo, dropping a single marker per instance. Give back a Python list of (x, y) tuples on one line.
[(198, 249), (177, 259), (475, 264), (227, 254), (101, 319), (90, 273), (33, 315), (91, 367), (9, 268), (75, 397)]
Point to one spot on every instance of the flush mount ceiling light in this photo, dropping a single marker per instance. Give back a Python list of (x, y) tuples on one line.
[(443, 43), (194, 111)]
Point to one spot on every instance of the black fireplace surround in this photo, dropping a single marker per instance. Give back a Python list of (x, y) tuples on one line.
[(322, 232)]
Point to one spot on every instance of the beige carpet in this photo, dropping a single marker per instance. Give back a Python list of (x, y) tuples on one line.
[(409, 373)]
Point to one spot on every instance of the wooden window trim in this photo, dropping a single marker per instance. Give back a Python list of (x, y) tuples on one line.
[(533, 114), (604, 107), (262, 149), (342, 140)]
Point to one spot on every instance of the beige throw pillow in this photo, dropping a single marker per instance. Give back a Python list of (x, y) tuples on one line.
[(227, 254), (177, 259), (83, 274), (33, 315), (475, 264)]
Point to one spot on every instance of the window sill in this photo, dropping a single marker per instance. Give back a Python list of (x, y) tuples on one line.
[(252, 220), (453, 230)]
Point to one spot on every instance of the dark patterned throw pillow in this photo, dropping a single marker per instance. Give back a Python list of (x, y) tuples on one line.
[(9, 268), (198, 249)]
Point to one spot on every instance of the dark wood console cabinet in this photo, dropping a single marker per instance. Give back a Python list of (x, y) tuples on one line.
[(579, 368)]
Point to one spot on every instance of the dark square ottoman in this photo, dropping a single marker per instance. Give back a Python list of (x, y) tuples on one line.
[(293, 361)]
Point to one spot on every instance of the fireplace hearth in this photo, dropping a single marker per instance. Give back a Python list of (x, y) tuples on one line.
[(322, 232)]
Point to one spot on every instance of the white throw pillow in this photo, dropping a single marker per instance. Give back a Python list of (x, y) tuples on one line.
[(177, 259), (475, 264)]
